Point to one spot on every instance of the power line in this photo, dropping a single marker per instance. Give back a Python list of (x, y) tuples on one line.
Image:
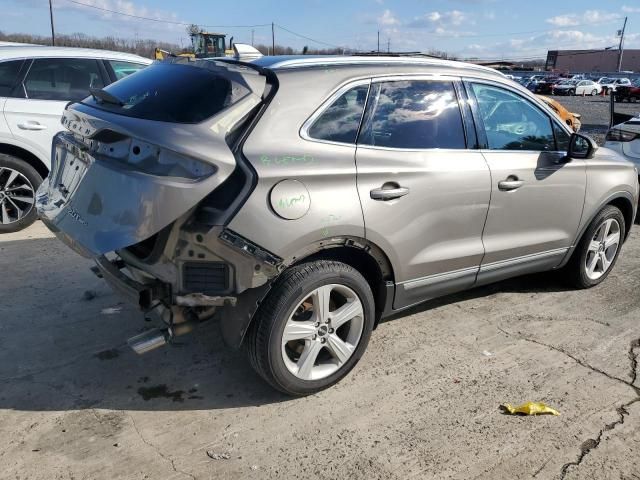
[(140, 17), (320, 42)]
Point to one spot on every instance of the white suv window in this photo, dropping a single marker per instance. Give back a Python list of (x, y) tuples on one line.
[(62, 78), (122, 69), (8, 76)]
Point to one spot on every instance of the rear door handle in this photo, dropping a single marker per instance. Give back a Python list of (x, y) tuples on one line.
[(511, 183), (31, 125), (385, 194)]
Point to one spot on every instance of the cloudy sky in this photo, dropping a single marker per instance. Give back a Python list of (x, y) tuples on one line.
[(468, 28)]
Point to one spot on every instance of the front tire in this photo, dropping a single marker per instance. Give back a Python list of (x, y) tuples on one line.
[(594, 92), (312, 328), (18, 184), (598, 250)]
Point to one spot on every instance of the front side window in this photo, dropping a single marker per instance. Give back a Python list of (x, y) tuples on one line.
[(62, 78), (511, 122), (340, 122), (122, 69), (414, 114)]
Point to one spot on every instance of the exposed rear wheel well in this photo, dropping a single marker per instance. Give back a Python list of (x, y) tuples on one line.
[(26, 156), (626, 208), (376, 272)]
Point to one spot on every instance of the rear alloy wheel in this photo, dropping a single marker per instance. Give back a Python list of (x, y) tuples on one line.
[(598, 251), (18, 184), (594, 92), (313, 327)]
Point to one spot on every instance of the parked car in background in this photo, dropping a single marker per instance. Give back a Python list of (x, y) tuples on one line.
[(578, 87), (545, 85), (630, 93), (36, 83), (571, 119), (625, 139), (302, 199), (612, 84)]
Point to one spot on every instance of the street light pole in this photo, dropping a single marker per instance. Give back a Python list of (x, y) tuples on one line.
[(620, 47), (53, 33)]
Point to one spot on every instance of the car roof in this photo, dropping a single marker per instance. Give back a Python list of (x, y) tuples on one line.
[(281, 62), (30, 51)]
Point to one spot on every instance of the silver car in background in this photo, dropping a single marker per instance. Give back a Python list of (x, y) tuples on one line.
[(302, 199)]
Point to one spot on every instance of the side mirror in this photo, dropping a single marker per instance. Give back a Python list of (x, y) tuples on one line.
[(581, 147)]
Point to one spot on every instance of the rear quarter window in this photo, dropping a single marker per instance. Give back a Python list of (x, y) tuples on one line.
[(172, 92)]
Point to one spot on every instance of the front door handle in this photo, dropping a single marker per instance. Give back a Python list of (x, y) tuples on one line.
[(31, 125), (511, 183), (388, 192)]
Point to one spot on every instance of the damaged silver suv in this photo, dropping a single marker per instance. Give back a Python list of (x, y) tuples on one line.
[(299, 200)]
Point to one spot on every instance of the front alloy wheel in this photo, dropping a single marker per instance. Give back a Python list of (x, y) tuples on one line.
[(598, 250), (603, 249), (312, 328)]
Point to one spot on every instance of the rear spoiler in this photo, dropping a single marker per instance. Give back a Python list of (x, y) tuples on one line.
[(245, 52)]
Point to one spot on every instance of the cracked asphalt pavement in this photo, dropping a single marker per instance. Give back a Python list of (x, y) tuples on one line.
[(76, 403)]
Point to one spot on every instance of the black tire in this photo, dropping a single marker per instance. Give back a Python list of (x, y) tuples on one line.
[(594, 92), (34, 178), (264, 338), (575, 271), (572, 92)]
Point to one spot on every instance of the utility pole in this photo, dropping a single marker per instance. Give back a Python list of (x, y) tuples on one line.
[(273, 39), (620, 47), (252, 36), (388, 45), (53, 33), (378, 42)]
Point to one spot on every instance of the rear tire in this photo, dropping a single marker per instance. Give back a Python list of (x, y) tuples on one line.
[(18, 184), (303, 338), (594, 92), (572, 92), (598, 250)]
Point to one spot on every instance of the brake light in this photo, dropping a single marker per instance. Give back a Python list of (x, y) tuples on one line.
[(617, 135)]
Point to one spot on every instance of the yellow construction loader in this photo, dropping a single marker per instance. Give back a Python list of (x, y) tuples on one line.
[(203, 45)]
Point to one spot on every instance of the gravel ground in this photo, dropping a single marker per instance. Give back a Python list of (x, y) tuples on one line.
[(76, 403), (595, 113)]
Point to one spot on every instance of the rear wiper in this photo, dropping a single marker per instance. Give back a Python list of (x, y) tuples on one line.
[(103, 96)]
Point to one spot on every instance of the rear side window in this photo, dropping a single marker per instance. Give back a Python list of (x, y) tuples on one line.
[(62, 78), (122, 69), (172, 92), (340, 122), (8, 76), (414, 114)]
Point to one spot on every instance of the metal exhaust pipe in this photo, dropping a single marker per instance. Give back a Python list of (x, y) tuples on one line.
[(149, 340)]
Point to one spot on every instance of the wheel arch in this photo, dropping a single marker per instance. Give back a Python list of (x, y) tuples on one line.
[(622, 201), (626, 207), (366, 257), (26, 156)]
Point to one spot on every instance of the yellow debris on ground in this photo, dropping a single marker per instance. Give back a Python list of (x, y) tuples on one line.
[(530, 408)]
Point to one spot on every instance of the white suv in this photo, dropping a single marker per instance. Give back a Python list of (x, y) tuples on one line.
[(36, 83)]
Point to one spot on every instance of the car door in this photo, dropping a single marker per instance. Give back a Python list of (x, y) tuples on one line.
[(537, 194), (48, 86), (10, 74), (424, 193)]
